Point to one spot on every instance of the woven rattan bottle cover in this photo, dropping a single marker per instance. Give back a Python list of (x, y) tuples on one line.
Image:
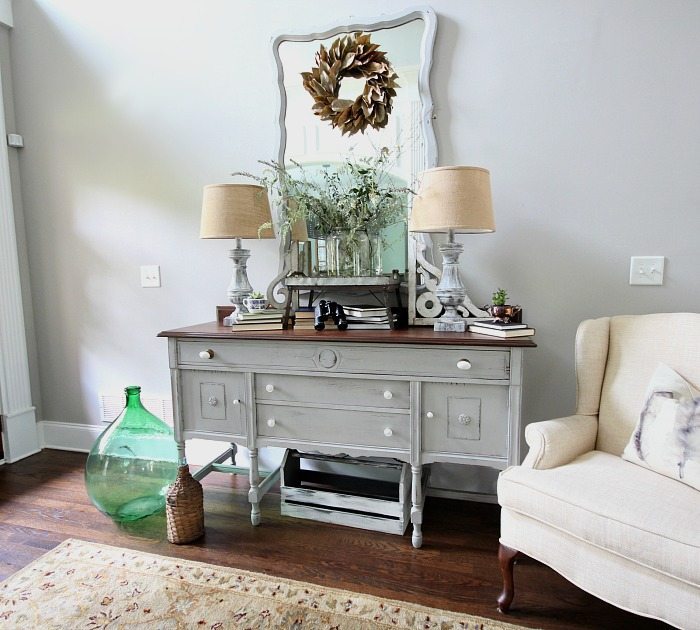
[(184, 508)]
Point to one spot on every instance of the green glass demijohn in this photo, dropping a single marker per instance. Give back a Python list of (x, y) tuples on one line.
[(132, 463)]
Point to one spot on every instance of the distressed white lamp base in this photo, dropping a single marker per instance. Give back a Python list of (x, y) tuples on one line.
[(450, 291), (240, 288), (450, 326)]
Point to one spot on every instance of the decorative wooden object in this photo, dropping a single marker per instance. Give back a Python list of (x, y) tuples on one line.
[(413, 395), (184, 508), (345, 499), (381, 287)]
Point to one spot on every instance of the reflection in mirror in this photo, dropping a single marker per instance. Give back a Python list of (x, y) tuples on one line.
[(313, 144)]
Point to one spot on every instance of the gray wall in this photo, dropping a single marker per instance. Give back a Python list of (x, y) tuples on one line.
[(586, 113)]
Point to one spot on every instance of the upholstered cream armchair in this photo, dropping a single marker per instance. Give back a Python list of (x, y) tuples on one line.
[(620, 531)]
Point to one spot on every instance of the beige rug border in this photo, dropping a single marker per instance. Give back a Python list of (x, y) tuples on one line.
[(255, 574)]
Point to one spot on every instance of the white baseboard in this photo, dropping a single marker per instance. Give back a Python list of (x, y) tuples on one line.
[(20, 436), (74, 436), (69, 436)]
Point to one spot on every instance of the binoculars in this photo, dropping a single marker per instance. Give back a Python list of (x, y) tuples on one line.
[(325, 309)]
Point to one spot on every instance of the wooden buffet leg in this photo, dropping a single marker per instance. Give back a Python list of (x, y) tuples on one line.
[(417, 506), (506, 558), (253, 494)]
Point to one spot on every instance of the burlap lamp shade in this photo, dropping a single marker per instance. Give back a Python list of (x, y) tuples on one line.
[(453, 199), (456, 198), (235, 211)]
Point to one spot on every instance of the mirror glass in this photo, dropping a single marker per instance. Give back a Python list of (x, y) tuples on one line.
[(313, 143)]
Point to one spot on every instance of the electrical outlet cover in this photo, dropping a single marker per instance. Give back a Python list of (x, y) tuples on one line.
[(150, 276)]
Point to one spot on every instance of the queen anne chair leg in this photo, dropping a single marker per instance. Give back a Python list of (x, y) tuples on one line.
[(506, 558)]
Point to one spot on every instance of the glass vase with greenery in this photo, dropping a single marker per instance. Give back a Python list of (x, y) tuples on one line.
[(351, 202)]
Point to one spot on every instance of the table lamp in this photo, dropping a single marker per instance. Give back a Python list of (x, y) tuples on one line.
[(236, 211), (452, 199)]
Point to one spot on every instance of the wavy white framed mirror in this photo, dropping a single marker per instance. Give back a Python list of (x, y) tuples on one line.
[(305, 139)]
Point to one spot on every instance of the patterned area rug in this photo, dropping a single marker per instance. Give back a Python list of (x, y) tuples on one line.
[(86, 585)]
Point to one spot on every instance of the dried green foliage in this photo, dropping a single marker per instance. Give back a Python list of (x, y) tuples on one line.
[(357, 195), (355, 56)]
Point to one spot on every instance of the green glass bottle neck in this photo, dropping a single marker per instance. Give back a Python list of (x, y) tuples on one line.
[(136, 416), (133, 398)]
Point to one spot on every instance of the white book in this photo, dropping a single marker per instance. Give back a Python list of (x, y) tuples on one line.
[(365, 311)]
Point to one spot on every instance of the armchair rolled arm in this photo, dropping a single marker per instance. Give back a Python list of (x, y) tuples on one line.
[(557, 442)]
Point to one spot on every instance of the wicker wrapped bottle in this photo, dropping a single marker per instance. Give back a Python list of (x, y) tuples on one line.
[(184, 508), (132, 463)]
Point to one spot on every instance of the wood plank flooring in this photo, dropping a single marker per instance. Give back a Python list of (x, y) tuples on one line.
[(43, 502)]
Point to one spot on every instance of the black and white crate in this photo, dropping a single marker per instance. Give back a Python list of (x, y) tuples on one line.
[(369, 493)]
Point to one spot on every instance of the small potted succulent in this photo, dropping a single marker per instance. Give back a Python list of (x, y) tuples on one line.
[(500, 309), (255, 302)]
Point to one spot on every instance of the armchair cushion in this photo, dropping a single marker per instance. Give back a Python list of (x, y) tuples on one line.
[(616, 506), (667, 436), (556, 442)]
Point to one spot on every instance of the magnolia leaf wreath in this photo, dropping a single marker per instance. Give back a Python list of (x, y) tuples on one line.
[(355, 56)]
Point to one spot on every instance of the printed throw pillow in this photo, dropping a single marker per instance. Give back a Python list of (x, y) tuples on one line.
[(667, 436)]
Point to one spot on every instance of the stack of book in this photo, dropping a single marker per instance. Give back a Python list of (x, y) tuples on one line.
[(497, 328), (368, 318), (304, 319), (270, 319)]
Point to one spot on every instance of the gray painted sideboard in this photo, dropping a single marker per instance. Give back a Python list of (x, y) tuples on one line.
[(414, 395)]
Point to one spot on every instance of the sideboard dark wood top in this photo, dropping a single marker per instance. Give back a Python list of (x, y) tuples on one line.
[(412, 335)]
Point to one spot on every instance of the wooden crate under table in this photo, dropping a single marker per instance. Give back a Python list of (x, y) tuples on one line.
[(346, 499)]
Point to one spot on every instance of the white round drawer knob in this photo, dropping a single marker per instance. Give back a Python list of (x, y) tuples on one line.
[(271, 422), (388, 432), (464, 364), (206, 354), (429, 414), (235, 401), (388, 395), (269, 387)]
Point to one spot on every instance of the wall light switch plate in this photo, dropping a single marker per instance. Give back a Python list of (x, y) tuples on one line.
[(15, 140), (150, 276), (647, 270)]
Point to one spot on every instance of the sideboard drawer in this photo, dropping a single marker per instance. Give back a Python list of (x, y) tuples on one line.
[(465, 419), (334, 426), (349, 358), (326, 390), (213, 402)]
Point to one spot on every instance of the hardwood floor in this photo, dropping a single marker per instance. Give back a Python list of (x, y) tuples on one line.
[(43, 502)]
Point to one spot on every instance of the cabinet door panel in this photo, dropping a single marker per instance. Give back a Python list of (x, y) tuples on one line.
[(465, 419), (213, 402)]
